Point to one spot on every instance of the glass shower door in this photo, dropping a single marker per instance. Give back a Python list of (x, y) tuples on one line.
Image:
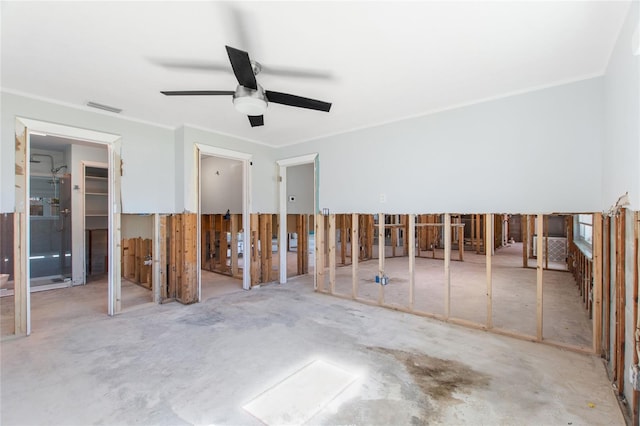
[(50, 233)]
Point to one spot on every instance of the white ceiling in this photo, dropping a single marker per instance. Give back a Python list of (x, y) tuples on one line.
[(386, 60)]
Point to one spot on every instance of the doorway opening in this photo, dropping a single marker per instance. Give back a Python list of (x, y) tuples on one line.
[(298, 205), (56, 211), (223, 221)]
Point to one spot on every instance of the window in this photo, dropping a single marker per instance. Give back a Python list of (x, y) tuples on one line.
[(584, 228)]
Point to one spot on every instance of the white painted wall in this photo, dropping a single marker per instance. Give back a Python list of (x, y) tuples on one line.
[(300, 185), (147, 151), (221, 185), (136, 225), (263, 171), (621, 150), (535, 152), (621, 154)]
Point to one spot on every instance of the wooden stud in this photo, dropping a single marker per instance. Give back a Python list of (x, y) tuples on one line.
[(478, 233), (621, 300), (21, 292), (187, 288), (460, 240), (21, 285), (235, 219), (343, 238), (381, 243), (303, 244), (332, 253), (606, 292), (394, 238), (404, 220), (370, 232), (524, 220), (225, 255), (539, 282), (545, 233), (320, 252), (162, 257), (137, 259), (488, 256), (636, 266), (472, 238), (268, 267), (410, 237), (172, 240), (447, 262), (254, 226), (355, 250)]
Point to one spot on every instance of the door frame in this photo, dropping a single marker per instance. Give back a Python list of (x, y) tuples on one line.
[(212, 151), (282, 173), (22, 288)]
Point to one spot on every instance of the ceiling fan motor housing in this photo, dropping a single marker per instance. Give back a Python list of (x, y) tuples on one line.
[(249, 101)]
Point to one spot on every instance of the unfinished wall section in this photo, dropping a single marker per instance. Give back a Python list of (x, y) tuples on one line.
[(453, 267)]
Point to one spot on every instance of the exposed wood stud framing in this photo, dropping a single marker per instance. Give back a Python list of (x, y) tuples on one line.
[(21, 285), (606, 291), (489, 237), (411, 249), (447, 262), (539, 282), (163, 258), (597, 282), (620, 301), (381, 256), (355, 238), (134, 253), (332, 253), (320, 258), (252, 245)]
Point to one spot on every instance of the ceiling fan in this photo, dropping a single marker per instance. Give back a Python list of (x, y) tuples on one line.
[(249, 97)]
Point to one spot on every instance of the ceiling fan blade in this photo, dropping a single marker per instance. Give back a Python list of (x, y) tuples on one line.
[(256, 120), (197, 92), (297, 101), (242, 68), (191, 65), (295, 72)]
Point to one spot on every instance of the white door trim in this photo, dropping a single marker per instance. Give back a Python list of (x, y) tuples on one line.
[(245, 159), (112, 142), (282, 172)]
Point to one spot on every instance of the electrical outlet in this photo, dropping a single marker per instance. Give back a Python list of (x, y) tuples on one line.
[(383, 198)]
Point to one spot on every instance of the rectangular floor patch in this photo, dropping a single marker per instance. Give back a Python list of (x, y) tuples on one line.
[(299, 397)]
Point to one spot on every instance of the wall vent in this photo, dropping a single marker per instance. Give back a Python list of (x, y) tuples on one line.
[(104, 107)]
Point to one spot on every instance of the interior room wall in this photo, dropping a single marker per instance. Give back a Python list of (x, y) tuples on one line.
[(621, 153), (147, 150), (621, 150), (534, 152), (221, 185), (262, 171), (136, 225), (300, 186)]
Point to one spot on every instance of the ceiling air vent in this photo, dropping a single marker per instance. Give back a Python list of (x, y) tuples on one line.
[(104, 107)]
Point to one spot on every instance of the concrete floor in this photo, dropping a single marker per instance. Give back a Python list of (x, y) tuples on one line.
[(173, 364)]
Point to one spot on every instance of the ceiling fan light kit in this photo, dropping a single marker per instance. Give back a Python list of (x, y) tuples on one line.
[(250, 102), (249, 97)]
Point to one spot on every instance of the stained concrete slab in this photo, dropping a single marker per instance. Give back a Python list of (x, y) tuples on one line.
[(200, 364)]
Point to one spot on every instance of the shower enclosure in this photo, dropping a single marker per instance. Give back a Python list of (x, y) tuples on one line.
[(50, 226)]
